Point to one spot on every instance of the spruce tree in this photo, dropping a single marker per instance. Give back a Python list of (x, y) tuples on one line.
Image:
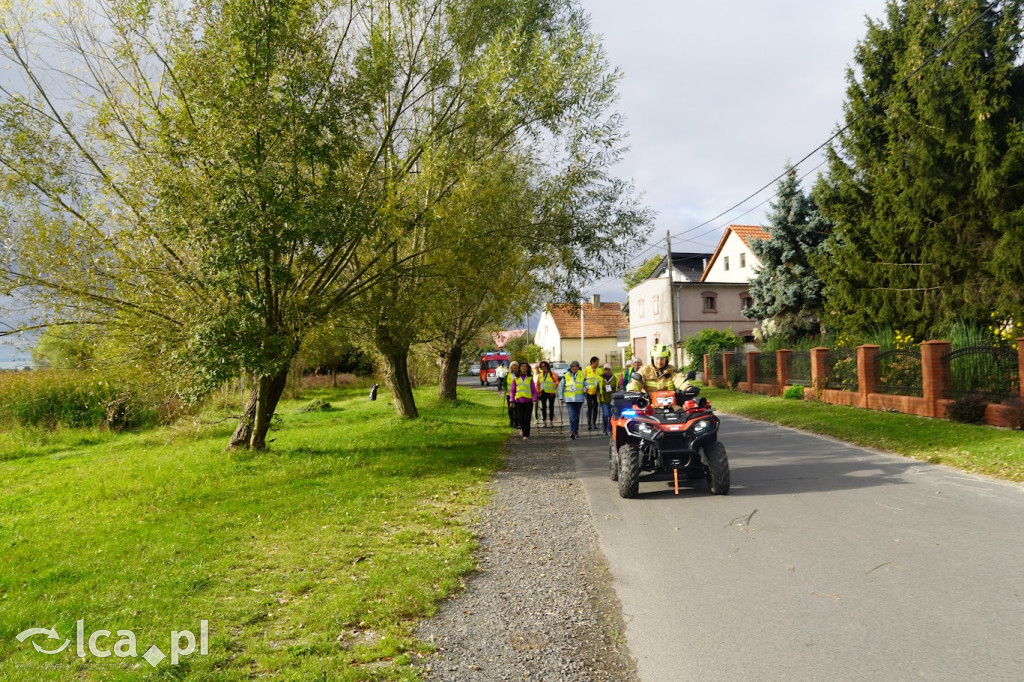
[(925, 184), (787, 289)]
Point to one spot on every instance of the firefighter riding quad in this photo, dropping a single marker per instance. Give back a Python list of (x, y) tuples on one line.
[(666, 436)]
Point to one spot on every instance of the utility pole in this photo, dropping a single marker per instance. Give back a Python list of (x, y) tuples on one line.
[(672, 297)]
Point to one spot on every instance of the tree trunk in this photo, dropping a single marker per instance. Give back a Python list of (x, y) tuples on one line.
[(254, 423), (396, 378), (243, 432), (449, 379), (270, 389)]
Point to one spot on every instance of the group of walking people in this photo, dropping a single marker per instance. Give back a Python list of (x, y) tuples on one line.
[(527, 387)]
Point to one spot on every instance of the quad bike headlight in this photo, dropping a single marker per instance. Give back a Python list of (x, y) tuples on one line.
[(702, 426), (640, 429)]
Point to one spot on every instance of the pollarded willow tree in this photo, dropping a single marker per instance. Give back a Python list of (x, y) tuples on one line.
[(191, 179), (490, 278), (925, 185), (210, 182), (499, 124)]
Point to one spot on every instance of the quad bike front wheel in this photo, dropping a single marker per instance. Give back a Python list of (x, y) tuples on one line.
[(718, 469), (629, 471), (613, 461)]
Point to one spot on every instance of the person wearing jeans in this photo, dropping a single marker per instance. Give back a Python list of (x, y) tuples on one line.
[(571, 391), (524, 394), (607, 385)]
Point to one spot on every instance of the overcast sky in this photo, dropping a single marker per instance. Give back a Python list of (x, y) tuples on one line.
[(717, 97)]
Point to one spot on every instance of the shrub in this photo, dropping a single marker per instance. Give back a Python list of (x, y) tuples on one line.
[(709, 341), (316, 405), (72, 399), (969, 409), (794, 393), (1015, 412), (736, 375)]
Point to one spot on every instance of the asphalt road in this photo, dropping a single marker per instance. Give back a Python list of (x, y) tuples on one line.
[(825, 562)]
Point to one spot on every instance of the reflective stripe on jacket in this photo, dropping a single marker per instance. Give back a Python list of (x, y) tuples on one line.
[(547, 382)]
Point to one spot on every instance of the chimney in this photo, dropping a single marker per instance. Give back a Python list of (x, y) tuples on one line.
[(595, 300)]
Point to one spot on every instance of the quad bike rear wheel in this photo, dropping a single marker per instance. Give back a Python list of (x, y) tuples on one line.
[(613, 461), (629, 471), (718, 469)]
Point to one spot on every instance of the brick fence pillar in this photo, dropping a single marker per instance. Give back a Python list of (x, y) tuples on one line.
[(707, 373), (726, 365), (819, 367), (1020, 365), (783, 363), (867, 372), (935, 376), (752, 359)]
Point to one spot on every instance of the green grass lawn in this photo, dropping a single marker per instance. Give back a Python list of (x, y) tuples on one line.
[(310, 562), (977, 449)]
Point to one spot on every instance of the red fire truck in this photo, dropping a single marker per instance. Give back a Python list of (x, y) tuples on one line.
[(489, 361)]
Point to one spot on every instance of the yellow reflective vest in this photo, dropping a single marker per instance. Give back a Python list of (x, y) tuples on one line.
[(523, 388), (547, 382), (572, 386)]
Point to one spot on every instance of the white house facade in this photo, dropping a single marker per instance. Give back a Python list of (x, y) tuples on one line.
[(733, 260), (715, 298)]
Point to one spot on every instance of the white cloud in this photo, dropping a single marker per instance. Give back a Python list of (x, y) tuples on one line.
[(718, 96)]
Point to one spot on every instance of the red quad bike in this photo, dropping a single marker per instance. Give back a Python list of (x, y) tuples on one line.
[(651, 434)]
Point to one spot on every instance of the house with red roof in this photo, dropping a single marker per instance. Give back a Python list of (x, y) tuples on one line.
[(571, 331), (711, 297), (733, 259)]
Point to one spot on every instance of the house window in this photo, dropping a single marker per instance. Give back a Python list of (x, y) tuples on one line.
[(640, 308), (743, 260), (710, 302), (656, 305), (726, 262), (746, 301)]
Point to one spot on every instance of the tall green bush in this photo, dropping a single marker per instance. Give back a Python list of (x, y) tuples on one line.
[(708, 341)]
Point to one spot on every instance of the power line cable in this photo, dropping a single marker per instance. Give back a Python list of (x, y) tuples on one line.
[(652, 245)]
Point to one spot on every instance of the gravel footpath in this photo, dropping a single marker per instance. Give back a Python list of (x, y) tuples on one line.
[(541, 606)]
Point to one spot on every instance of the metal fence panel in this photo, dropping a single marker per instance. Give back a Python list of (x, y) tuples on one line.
[(899, 372), (982, 370), (715, 366), (842, 370), (800, 368), (766, 371)]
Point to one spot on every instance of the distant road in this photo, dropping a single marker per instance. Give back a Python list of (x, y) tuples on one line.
[(826, 562)]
